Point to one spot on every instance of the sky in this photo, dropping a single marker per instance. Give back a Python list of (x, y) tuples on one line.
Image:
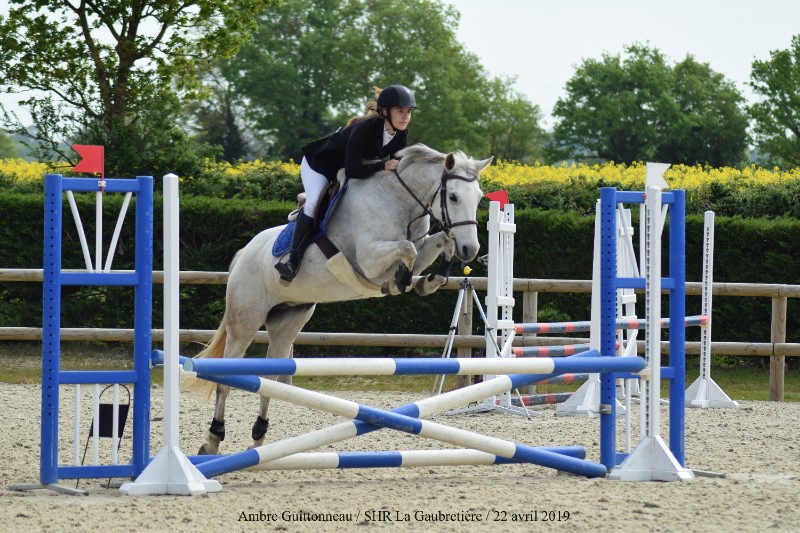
[(541, 42)]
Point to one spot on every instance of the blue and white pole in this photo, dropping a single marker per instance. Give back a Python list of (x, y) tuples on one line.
[(590, 362), (404, 423)]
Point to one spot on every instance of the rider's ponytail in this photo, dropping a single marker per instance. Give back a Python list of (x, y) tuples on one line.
[(371, 109)]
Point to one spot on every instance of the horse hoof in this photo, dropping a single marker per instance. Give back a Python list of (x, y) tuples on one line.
[(208, 449)]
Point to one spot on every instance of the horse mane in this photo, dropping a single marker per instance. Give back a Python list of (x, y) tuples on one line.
[(419, 153)]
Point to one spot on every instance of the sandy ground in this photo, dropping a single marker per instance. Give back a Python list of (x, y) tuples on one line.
[(755, 446)]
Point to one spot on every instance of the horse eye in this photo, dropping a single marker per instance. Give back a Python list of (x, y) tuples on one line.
[(453, 197)]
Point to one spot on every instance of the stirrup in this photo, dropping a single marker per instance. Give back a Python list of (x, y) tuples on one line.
[(286, 269)]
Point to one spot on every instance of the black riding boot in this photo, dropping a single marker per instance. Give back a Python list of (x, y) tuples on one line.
[(289, 264)]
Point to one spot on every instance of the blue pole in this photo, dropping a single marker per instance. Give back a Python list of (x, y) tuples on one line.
[(142, 324), (608, 319), (248, 458), (677, 336), (51, 328), (590, 361), (408, 424)]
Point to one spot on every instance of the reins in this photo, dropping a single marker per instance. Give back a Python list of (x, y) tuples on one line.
[(447, 224)]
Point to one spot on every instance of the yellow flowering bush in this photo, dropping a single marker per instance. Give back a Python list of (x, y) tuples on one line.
[(751, 191), (267, 180), (508, 174), (19, 170), (243, 169)]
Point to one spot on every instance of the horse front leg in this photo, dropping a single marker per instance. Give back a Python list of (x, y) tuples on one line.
[(431, 248), (381, 258)]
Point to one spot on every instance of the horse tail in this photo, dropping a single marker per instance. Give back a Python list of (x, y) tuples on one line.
[(215, 348)]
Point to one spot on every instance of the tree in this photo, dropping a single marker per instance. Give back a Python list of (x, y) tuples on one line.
[(312, 65), (711, 125), (216, 119), (109, 64), (641, 109), (8, 149), (512, 124), (777, 117)]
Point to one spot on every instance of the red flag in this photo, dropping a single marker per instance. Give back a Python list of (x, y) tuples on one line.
[(498, 196), (93, 159)]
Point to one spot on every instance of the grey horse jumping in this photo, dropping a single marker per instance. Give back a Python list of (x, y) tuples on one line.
[(381, 227)]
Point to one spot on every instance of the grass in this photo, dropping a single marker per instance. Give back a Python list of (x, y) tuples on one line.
[(20, 363)]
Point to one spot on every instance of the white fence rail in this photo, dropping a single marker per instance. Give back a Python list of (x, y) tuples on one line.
[(777, 349)]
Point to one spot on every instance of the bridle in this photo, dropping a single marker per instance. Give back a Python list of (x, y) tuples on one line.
[(446, 223)]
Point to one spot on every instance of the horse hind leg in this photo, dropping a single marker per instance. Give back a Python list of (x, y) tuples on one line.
[(284, 322), (216, 432), (240, 335)]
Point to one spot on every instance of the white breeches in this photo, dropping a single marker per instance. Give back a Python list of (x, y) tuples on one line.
[(313, 183)]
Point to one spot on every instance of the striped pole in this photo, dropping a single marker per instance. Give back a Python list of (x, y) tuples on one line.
[(550, 351), (585, 325), (564, 379), (389, 459), (346, 430), (409, 424), (542, 399), (401, 367)]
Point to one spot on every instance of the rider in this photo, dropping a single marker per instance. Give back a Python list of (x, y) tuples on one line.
[(360, 147)]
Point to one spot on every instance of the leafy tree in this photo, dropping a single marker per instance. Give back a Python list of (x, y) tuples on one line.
[(639, 108), (710, 126), (216, 119), (104, 69), (512, 124), (777, 116), (312, 64), (8, 149)]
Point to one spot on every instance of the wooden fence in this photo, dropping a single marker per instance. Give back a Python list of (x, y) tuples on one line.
[(777, 349)]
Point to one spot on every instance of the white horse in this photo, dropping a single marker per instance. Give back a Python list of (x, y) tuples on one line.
[(381, 227)]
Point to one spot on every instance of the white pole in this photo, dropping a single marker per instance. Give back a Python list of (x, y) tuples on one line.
[(98, 233), (76, 425), (651, 412), (87, 258), (112, 248), (171, 472), (115, 425), (704, 391), (171, 308)]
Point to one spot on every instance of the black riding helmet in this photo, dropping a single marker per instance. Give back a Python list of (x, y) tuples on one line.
[(396, 96)]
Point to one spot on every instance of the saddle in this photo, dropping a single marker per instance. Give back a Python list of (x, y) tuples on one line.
[(325, 207)]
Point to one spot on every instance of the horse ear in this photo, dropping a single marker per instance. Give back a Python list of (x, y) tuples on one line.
[(449, 162), (483, 164)]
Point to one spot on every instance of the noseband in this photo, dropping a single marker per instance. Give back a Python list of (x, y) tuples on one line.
[(446, 223)]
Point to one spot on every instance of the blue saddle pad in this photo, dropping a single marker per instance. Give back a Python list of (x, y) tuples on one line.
[(284, 241)]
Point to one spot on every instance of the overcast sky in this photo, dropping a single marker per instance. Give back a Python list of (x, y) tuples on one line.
[(542, 41)]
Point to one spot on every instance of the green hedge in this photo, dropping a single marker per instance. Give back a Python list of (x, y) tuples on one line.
[(548, 244)]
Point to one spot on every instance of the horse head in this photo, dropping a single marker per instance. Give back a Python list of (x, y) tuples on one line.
[(454, 192), (458, 199)]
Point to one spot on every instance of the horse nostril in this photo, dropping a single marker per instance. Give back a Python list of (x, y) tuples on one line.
[(465, 251)]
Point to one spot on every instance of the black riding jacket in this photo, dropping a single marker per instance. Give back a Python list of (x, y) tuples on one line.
[(355, 148)]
